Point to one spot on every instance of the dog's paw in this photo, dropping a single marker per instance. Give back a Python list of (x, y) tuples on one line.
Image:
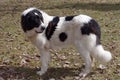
[(102, 67), (83, 75), (40, 72)]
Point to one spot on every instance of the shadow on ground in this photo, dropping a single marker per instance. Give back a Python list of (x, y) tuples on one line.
[(59, 73), (7, 72)]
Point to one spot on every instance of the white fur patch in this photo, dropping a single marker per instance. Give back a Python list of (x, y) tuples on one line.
[(27, 11)]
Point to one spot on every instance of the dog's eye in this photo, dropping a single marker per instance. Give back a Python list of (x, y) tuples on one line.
[(37, 17)]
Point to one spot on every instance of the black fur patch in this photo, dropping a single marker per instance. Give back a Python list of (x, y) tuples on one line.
[(39, 14), (69, 18), (92, 27), (63, 36), (30, 20), (51, 27)]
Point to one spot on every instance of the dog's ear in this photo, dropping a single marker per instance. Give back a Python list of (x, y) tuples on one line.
[(49, 28)]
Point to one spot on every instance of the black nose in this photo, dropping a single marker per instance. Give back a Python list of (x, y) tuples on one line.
[(42, 28)]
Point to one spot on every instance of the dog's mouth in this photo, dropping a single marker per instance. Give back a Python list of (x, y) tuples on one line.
[(38, 31)]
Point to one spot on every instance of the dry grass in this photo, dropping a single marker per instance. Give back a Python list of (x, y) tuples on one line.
[(19, 59)]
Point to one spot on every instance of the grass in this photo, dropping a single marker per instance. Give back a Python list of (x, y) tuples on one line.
[(19, 59)]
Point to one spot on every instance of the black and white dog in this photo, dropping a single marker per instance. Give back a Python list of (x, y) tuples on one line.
[(53, 32)]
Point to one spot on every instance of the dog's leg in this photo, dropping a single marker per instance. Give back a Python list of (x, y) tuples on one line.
[(45, 58), (86, 57), (93, 61)]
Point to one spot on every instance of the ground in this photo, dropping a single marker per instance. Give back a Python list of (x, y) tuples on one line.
[(19, 59)]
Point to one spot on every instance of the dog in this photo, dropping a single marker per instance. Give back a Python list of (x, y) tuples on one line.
[(53, 32)]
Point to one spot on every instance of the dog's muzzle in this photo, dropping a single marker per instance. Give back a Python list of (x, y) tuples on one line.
[(41, 29)]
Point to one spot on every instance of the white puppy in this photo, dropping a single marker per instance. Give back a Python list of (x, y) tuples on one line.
[(53, 32)]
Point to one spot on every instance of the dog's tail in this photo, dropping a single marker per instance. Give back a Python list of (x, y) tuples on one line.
[(101, 55)]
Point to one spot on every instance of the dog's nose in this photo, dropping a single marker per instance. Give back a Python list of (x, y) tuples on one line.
[(42, 28)]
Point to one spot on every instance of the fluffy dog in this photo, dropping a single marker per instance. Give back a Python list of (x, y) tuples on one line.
[(52, 32)]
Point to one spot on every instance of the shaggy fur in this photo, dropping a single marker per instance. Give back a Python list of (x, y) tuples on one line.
[(53, 32)]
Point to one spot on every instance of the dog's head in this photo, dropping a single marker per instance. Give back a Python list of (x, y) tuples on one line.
[(32, 22)]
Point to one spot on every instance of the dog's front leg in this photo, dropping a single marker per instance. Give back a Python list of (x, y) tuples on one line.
[(45, 58)]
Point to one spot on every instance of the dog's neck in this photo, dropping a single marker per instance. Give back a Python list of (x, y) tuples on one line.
[(47, 18)]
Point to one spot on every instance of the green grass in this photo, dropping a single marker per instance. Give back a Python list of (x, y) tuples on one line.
[(19, 59)]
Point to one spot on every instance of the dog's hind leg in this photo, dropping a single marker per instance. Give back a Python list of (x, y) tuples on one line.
[(45, 58), (87, 58)]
